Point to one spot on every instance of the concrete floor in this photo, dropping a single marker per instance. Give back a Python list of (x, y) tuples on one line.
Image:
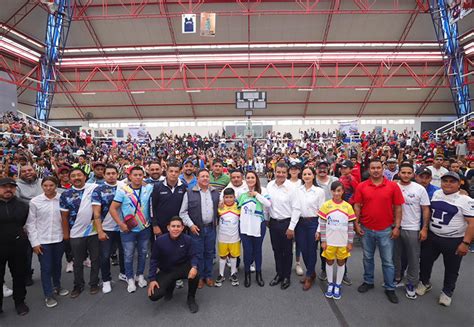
[(267, 306)]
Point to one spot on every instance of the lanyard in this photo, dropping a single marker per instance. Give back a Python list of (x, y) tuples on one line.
[(138, 196)]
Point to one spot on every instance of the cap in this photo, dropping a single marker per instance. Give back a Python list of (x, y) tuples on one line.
[(347, 164), (429, 159), (6, 181), (99, 163), (79, 152), (293, 152), (188, 160), (392, 160), (321, 163), (294, 164), (63, 168), (451, 174), (423, 170)]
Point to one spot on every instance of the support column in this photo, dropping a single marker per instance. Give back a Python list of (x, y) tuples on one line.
[(57, 29), (447, 35)]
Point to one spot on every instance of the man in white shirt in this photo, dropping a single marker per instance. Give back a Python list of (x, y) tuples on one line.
[(416, 206), (282, 215), (237, 183), (437, 170), (450, 233)]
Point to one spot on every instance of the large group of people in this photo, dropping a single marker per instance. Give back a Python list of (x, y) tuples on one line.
[(190, 202)]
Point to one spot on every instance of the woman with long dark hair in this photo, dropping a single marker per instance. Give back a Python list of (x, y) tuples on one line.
[(310, 198), (45, 232), (252, 225)]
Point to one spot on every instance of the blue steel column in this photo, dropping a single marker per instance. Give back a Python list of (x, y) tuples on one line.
[(59, 20), (447, 35)]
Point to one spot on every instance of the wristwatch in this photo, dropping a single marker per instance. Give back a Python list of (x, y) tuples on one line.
[(466, 243)]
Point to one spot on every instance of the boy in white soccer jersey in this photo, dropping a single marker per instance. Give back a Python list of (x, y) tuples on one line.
[(336, 221), (228, 243)]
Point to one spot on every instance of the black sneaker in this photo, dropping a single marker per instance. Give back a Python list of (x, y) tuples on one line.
[(192, 305), (22, 309), (114, 261), (392, 297), (365, 287), (219, 280)]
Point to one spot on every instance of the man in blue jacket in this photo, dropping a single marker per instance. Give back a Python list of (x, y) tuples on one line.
[(175, 257)]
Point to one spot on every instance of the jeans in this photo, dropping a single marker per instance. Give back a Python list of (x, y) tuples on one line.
[(81, 246), (382, 239), (305, 234), (408, 244), (205, 244), (282, 247), (253, 248), (50, 262), (130, 241), (167, 281), (105, 253), (432, 247), (68, 250)]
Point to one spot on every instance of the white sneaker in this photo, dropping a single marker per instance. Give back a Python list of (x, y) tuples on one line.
[(106, 287), (6, 291), (299, 270), (131, 286), (141, 281), (122, 277), (252, 267), (444, 300), (87, 263), (421, 288), (70, 267)]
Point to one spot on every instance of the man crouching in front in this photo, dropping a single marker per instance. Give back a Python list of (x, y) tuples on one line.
[(173, 257)]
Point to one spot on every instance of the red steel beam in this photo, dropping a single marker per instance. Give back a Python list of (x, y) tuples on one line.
[(183, 104), (403, 37), (99, 45), (105, 9), (182, 71), (330, 77)]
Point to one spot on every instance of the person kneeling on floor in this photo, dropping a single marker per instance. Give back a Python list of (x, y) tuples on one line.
[(175, 256)]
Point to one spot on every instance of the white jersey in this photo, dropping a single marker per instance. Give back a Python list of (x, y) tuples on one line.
[(436, 175), (448, 213), (415, 196)]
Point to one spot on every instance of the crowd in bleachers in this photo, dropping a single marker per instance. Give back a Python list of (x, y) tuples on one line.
[(32, 159)]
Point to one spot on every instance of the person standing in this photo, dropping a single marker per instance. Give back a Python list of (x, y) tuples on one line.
[(450, 233), (437, 170), (107, 229), (310, 198), (166, 199), (174, 254), (97, 175), (199, 214), (155, 172), (78, 227), (13, 242), (134, 203), (423, 177), (29, 186), (324, 181), (416, 206), (188, 177), (45, 232), (218, 180), (391, 170), (378, 209), (283, 219), (252, 205), (237, 183)]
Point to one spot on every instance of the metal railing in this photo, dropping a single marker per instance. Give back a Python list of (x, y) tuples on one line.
[(453, 125), (50, 129)]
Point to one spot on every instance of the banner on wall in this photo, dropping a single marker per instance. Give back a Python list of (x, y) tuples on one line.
[(138, 132), (208, 24), (349, 127), (188, 23)]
